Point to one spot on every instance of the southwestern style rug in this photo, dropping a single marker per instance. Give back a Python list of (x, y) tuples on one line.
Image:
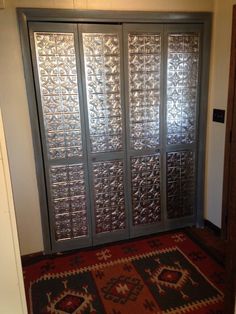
[(168, 274)]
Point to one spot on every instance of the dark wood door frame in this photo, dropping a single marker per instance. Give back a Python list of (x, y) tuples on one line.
[(229, 124), (229, 191)]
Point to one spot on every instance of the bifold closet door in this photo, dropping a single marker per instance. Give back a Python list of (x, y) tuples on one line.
[(82, 131), (144, 99), (162, 99), (118, 109), (101, 47), (62, 130)]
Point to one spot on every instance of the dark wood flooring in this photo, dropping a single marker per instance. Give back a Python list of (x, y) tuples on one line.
[(210, 240)]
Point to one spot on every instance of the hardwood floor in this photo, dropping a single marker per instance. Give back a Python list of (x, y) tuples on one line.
[(211, 241)]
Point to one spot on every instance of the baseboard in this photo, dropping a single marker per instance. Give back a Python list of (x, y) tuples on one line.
[(36, 257), (26, 259), (212, 227), (39, 256)]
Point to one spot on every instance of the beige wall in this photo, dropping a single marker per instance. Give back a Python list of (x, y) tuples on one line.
[(11, 284), (16, 116), (218, 99)]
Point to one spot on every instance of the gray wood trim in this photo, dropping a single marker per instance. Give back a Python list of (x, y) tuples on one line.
[(180, 147), (82, 67), (164, 127), (203, 110), (83, 133), (39, 164), (180, 222), (42, 133), (107, 16)]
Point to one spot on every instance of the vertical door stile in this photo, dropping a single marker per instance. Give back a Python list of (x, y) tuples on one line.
[(127, 129), (163, 127), (200, 140), (85, 134), (124, 65)]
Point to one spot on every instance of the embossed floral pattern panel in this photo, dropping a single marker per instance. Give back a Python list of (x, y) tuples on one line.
[(182, 87), (180, 184), (102, 68), (68, 201), (144, 59), (146, 189), (109, 197), (59, 93)]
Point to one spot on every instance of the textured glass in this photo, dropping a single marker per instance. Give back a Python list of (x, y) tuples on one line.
[(68, 200), (109, 196), (144, 58), (102, 68), (180, 184), (59, 94), (182, 86), (146, 189)]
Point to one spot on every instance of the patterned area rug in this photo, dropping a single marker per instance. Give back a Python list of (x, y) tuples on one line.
[(167, 273)]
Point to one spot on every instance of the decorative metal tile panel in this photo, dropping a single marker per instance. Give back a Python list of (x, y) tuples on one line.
[(144, 59), (59, 93), (102, 68), (69, 201), (182, 87), (180, 184), (146, 189), (109, 197)]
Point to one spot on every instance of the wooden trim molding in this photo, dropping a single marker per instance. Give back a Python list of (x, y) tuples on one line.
[(229, 123), (109, 16), (229, 195)]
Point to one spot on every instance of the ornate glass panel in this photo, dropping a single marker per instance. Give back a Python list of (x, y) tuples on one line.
[(144, 53), (180, 183), (109, 196), (59, 93), (68, 201), (146, 189), (102, 68), (182, 87)]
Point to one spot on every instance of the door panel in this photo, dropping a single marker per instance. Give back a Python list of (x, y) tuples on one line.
[(61, 123), (59, 93), (102, 68), (183, 53), (143, 61), (182, 87), (109, 196), (180, 184), (102, 50), (69, 201), (145, 174)]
